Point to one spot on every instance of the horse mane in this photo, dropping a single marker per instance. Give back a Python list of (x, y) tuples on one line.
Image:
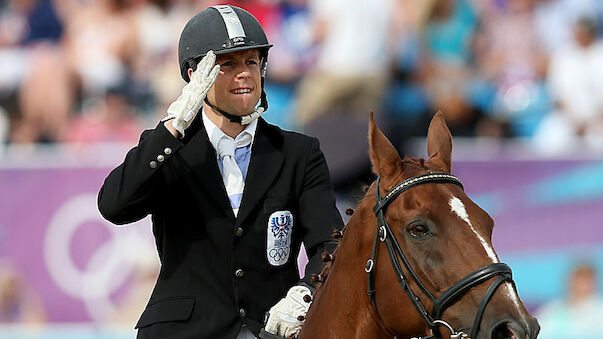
[(329, 258)]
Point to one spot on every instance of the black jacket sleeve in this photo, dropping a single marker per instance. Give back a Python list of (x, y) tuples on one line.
[(128, 192)]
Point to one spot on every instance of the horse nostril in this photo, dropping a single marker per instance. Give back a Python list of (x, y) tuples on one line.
[(508, 330), (501, 332)]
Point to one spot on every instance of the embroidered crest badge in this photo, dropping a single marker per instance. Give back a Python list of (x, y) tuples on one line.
[(278, 240)]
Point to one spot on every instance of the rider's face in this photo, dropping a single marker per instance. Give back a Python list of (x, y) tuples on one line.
[(237, 89)]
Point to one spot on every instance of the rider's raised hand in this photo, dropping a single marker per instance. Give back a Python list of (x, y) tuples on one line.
[(186, 107)]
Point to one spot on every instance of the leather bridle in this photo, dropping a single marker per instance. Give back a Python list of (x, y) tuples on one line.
[(500, 271)]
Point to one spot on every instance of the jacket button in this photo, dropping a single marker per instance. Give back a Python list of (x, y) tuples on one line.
[(160, 158), (239, 273), (153, 164), (239, 231), (167, 150), (242, 312)]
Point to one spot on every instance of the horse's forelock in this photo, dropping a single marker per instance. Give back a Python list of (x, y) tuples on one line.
[(413, 163)]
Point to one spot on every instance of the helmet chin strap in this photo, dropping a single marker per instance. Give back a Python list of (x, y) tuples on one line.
[(245, 119)]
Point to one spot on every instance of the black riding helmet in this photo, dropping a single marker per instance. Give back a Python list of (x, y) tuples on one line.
[(223, 29)]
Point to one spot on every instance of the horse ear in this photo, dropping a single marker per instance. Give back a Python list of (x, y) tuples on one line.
[(384, 157), (439, 143)]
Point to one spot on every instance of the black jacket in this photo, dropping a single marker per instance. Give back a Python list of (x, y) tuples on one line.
[(215, 273)]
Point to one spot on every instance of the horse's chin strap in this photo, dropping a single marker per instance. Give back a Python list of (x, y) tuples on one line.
[(384, 234)]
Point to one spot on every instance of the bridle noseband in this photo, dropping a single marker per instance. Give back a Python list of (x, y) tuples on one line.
[(384, 234)]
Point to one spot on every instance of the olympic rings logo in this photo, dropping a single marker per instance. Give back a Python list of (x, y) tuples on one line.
[(108, 267), (279, 254)]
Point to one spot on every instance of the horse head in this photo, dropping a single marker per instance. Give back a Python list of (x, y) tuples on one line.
[(430, 270), (440, 248)]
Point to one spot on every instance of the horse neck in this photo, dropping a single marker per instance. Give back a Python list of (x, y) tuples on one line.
[(341, 308)]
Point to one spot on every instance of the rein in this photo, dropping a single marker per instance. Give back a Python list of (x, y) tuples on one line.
[(384, 234)]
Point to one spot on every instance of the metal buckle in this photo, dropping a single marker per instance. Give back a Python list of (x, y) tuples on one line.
[(382, 233), (369, 266), (454, 334)]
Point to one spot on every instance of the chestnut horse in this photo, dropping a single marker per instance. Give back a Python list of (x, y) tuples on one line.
[(416, 259)]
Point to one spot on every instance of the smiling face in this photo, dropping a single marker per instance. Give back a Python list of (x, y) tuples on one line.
[(237, 89)]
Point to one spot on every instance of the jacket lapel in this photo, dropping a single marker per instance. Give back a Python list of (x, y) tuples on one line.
[(200, 156), (265, 164)]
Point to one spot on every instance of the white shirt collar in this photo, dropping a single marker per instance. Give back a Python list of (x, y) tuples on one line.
[(215, 134)]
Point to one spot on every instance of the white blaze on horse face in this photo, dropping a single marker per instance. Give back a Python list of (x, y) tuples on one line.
[(457, 206)]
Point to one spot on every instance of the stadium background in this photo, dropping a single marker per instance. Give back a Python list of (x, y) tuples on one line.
[(67, 273)]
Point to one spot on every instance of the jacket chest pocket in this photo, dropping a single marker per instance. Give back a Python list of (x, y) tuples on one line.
[(280, 224)]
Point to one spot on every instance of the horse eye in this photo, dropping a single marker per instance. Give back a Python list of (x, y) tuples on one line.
[(419, 231)]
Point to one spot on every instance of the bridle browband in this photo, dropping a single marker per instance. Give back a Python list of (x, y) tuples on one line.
[(384, 234)]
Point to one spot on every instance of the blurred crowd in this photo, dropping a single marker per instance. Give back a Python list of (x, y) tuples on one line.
[(91, 71), (102, 70)]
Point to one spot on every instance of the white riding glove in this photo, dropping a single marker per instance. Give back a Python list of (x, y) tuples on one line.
[(284, 317), (185, 108)]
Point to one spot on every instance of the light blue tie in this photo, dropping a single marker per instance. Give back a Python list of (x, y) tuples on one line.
[(234, 160)]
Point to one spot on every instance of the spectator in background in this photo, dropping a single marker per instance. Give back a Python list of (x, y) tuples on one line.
[(101, 43), (351, 70), (155, 80), (580, 314), (574, 79), (406, 100), (13, 29), (554, 20), (448, 34), (38, 70), (18, 302), (445, 72), (110, 119), (290, 58), (447, 66), (512, 61), (348, 78)]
